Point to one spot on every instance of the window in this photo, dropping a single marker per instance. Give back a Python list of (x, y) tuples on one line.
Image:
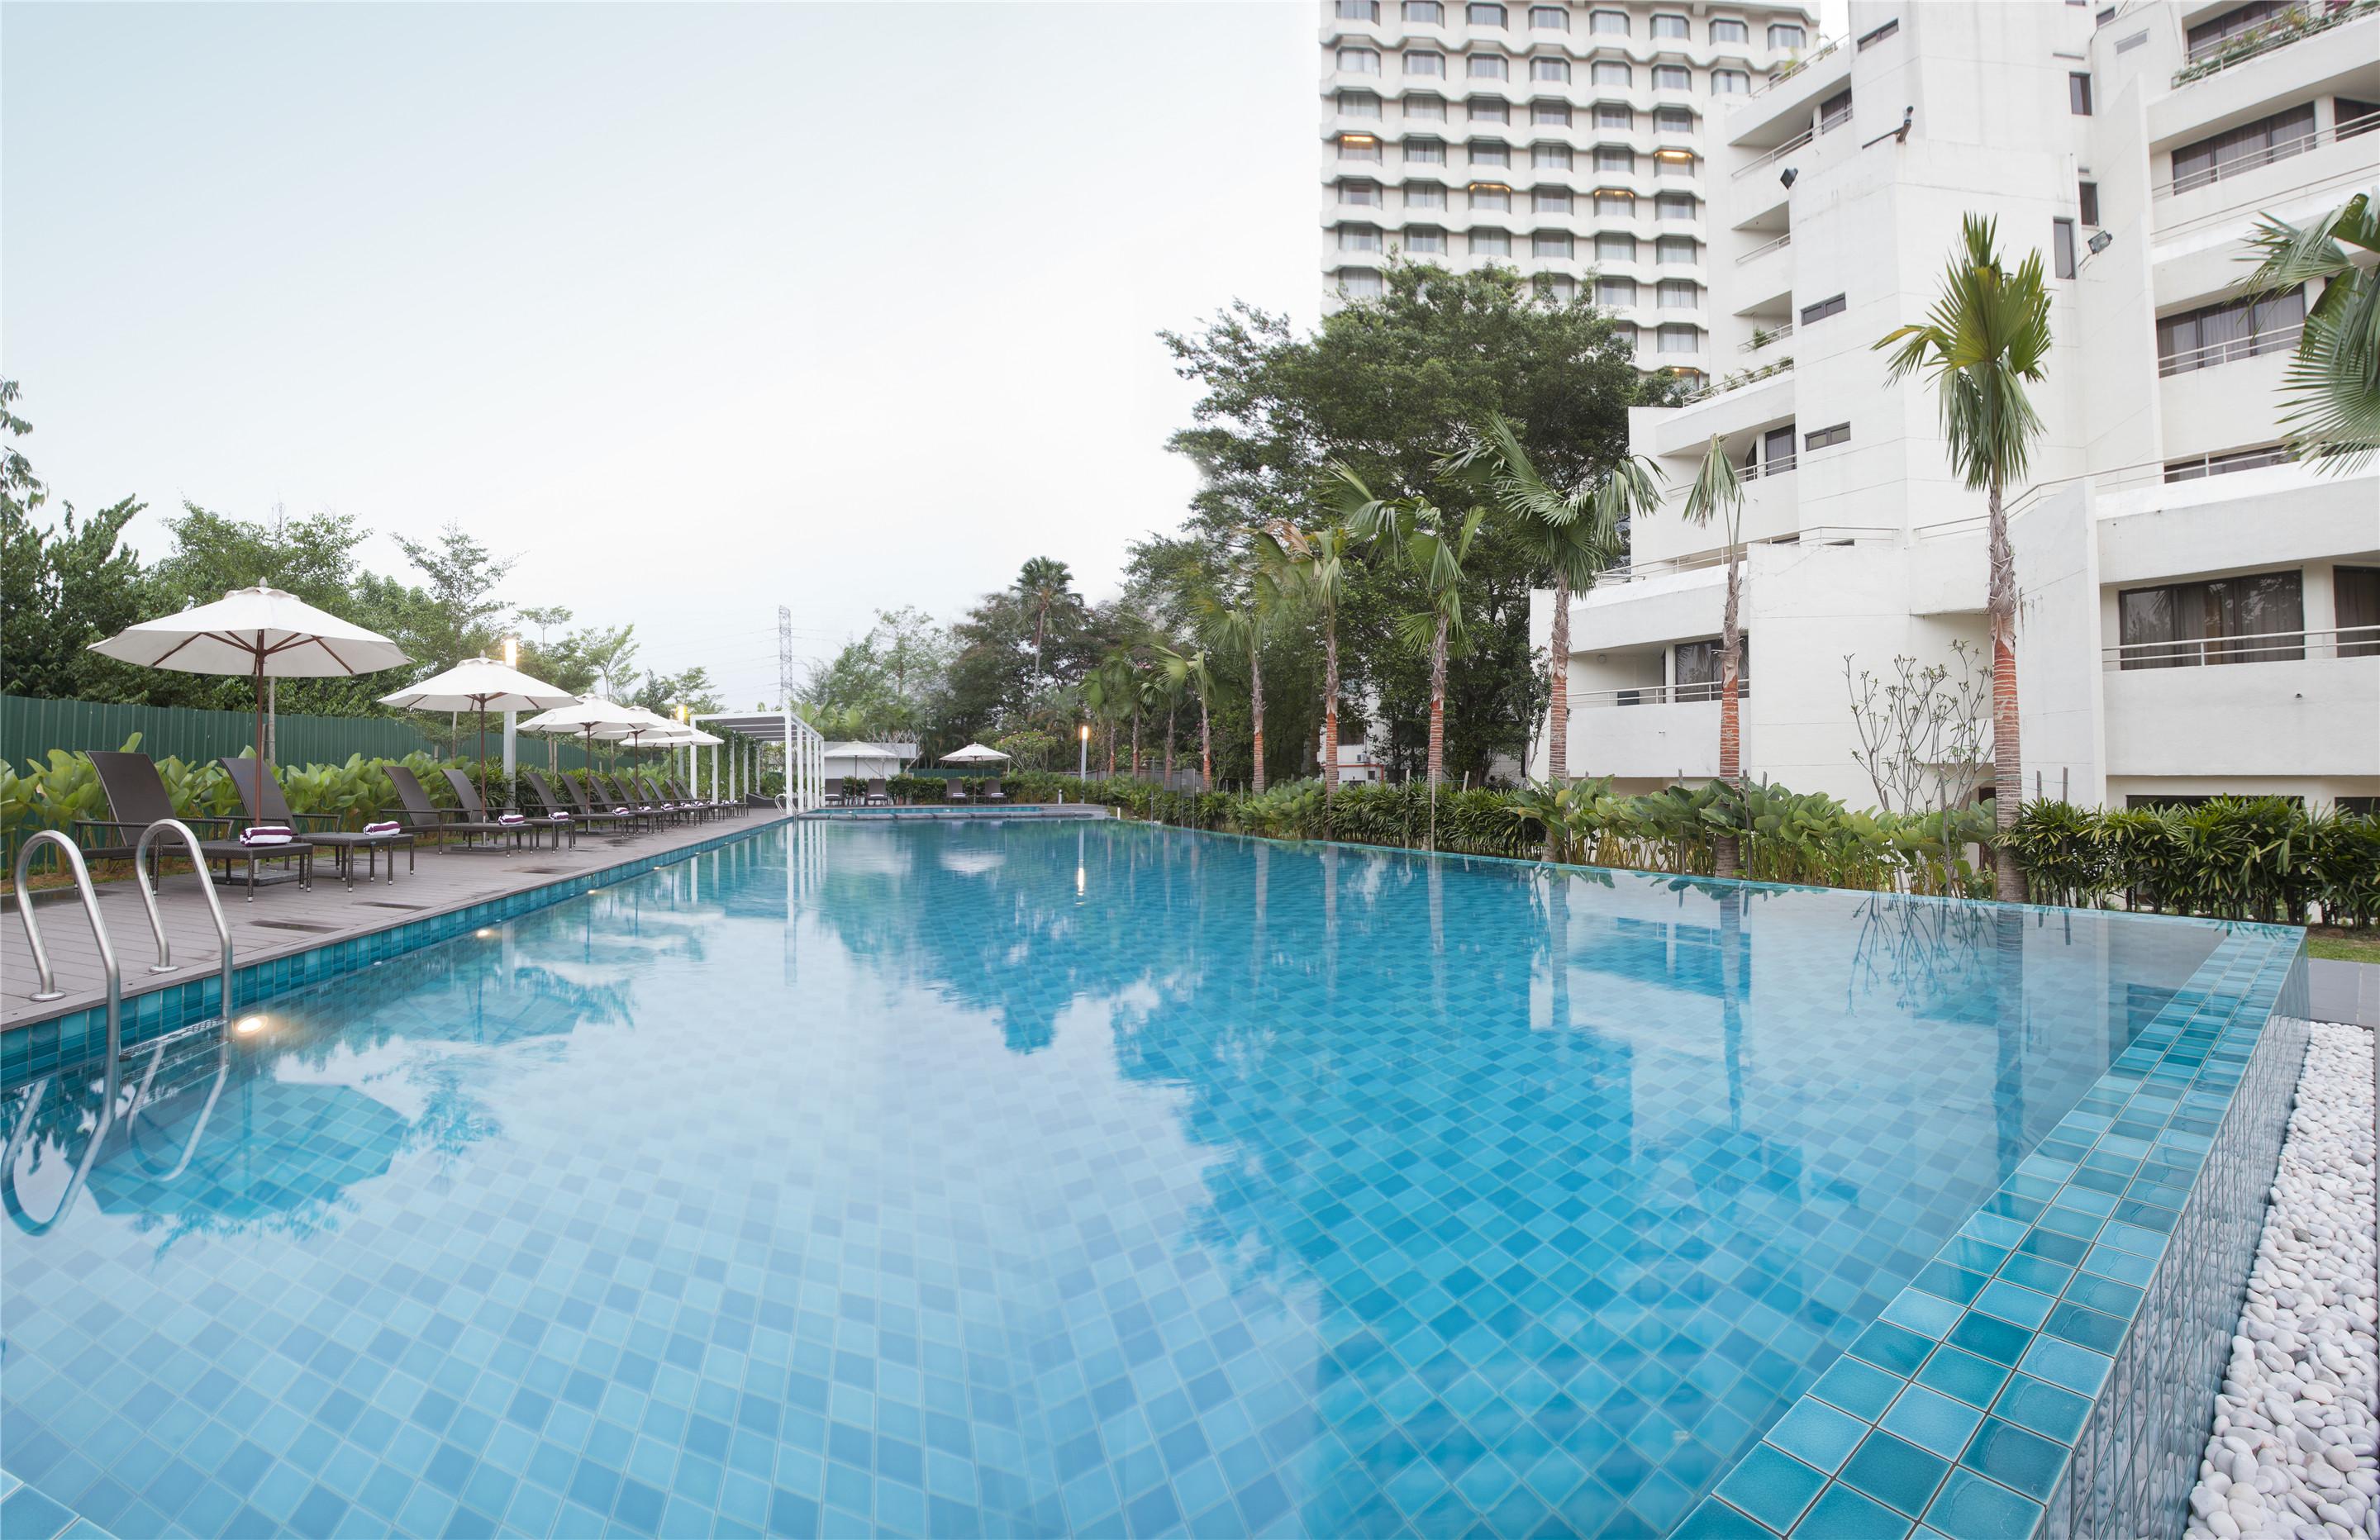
[(2214, 335), (1484, 16), (2061, 246), (1359, 282), (1549, 114), (1490, 152), (1613, 115), (1488, 109), (1557, 285), (1424, 109), (1491, 243), (1870, 38), (1552, 18), (1774, 455), (1610, 72), (1679, 294), (1700, 667), (2244, 148), (2354, 117), (1425, 152), (1730, 82), (1680, 339), (1550, 201), (1784, 35), (1835, 111), (1425, 195), (1665, 26), (1672, 76), (1626, 332), (1609, 23), (1822, 309), (1359, 147), (1549, 157), (1826, 438), (1359, 237), (1673, 120), (2087, 194), (1676, 250), (2356, 592), (1426, 241), (1674, 205), (1615, 293), (2078, 94), (1615, 157), (2202, 465), (1358, 104), (2256, 619), (1487, 66), (1554, 244), (1432, 66), (1673, 163), (1491, 198), (2210, 37), (1429, 13), (1729, 31), (1615, 205), (1359, 61), (1615, 246), (1544, 69), (1359, 10), (1360, 195)]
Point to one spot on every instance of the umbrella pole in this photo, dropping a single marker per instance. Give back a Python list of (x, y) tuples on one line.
[(262, 769), (483, 756)]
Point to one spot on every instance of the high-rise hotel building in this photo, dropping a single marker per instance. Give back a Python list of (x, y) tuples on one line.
[(1566, 140)]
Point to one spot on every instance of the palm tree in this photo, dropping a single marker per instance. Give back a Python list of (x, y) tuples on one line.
[(1241, 629), (1313, 565), (2333, 386), (1188, 671), (1112, 692), (1575, 533), (1718, 493), (1423, 538), (1044, 584), (1983, 343)]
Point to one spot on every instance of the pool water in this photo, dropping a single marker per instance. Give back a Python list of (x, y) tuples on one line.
[(1036, 1179)]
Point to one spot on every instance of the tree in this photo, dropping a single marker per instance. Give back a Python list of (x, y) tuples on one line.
[(1187, 671), (611, 654), (1983, 343), (1239, 627), (1045, 585), (463, 613), (544, 616), (1313, 566), (2331, 390), (1718, 493), (1575, 533), (1434, 543)]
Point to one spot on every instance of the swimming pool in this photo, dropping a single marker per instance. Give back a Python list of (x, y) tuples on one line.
[(1011, 1178)]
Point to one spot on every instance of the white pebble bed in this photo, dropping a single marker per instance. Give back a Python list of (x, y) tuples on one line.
[(2292, 1455)]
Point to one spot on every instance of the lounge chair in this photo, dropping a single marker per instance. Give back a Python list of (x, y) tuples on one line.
[(561, 814), (424, 817), (467, 797), (614, 799), (991, 791), (709, 807), (272, 809), (954, 790), (877, 795), (137, 799), (668, 801), (590, 811)]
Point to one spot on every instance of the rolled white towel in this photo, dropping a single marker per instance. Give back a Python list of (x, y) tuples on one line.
[(510, 817), (268, 835), (383, 828), (558, 818)]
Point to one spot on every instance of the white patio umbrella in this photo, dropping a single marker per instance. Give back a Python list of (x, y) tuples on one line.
[(481, 684), (587, 714), (974, 753), (260, 631)]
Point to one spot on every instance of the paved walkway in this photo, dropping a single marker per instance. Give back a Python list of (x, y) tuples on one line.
[(285, 920)]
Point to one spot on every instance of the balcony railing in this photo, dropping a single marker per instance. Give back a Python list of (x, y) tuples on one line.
[(2279, 339), (2269, 646), (1806, 60), (1764, 335), (1748, 167), (1824, 534), (1780, 244), (2279, 33), (2279, 150), (1738, 380), (1659, 695)]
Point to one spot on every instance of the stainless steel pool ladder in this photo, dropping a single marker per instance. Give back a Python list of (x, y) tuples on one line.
[(165, 962), (73, 860)]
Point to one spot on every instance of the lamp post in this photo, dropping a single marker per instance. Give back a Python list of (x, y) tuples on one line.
[(1083, 752)]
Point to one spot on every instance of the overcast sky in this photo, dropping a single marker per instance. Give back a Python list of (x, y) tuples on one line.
[(697, 310)]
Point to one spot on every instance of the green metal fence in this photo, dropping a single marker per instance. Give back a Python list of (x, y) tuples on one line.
[(29, 729)]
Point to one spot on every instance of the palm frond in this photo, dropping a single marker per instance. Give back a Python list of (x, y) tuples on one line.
[(1718, 491)]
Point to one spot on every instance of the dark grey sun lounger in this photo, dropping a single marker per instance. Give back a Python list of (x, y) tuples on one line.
[(137, 799), (573, 815), (589, 809), (274, 808), (425, 817), (467, 797)]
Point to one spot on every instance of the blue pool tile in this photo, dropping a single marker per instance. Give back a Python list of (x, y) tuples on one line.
[(1956, 1372), (1713, 1520), (1771, 1486), (1842, 1514), (2026, 1462), (1816, 1434), (1859, 1389), (1989, 1337), (2078, 1369), (1971, 1507), (2010, 1303), (1934, 1420), (1895, 1472)]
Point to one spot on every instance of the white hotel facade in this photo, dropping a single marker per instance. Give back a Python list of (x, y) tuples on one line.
[(2198, 615)]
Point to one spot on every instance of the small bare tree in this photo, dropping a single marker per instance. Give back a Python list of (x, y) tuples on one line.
[(1925, 733)]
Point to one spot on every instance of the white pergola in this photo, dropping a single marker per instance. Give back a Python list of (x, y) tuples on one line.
[(805, 766)]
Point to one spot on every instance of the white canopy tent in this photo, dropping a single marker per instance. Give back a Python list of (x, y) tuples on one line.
[(863, 761), (805, 764), (975, 754)]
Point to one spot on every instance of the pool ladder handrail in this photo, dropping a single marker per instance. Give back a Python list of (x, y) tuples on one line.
[(48, 991), (165, 962)]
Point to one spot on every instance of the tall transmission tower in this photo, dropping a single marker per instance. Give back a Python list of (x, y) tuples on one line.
[(786, 655)]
